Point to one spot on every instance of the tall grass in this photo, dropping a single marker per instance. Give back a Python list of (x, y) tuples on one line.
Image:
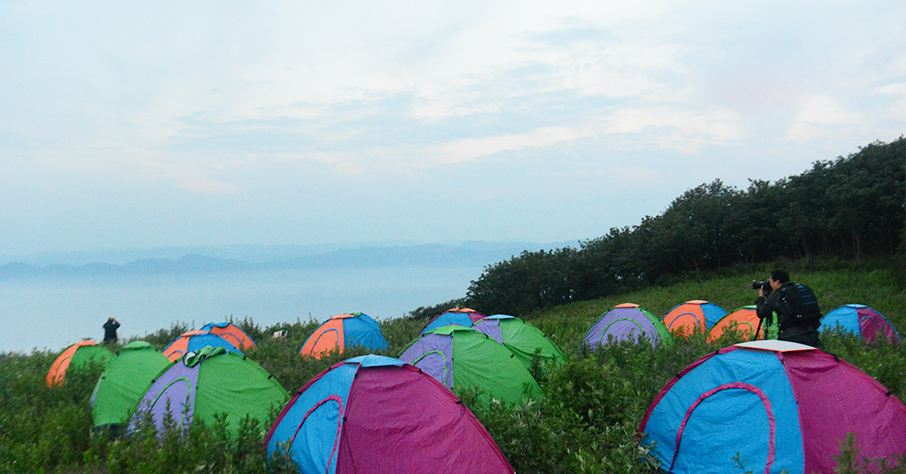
[(586, 422)]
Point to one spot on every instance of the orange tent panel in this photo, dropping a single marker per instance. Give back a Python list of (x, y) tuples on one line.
[(234, 335), (745, 319), (328, 337), (57, 373), (686, 318)]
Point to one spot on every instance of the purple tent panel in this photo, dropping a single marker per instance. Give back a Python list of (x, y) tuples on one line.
[(436, 359), (176, 386), (623, 324)]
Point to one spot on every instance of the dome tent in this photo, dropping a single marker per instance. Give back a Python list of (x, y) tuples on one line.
[(465, 317), (124, 382), (190, 341), (79, 355), (389, 417), (520, 337), (232, 333), (693, 315), (208, 382), (627, 321), (744, 319), (463, 357), (776, 404), (342, 331), (867, 323)]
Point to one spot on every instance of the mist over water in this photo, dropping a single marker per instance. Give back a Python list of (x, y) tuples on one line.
[(52, 312)]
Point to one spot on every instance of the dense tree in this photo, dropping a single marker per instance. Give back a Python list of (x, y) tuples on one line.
[(853, 206)]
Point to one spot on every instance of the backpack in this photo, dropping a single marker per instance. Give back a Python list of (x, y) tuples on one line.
[(801, 306)]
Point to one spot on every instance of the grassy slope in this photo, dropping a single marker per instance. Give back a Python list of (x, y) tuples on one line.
[(586, 422)]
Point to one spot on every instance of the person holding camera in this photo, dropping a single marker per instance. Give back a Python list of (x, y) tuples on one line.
[(798, 314), (110, 328)]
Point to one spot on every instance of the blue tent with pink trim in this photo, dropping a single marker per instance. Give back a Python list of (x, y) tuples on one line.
[(775, 406)]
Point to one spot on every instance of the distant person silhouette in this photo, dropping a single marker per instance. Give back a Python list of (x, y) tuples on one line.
[(110, 328)]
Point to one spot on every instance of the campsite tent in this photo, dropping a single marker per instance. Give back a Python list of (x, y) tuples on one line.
[(520, 337), (208, 382), (743, 319), (777, 405), (124, 382), (193, 340), (232, 333), (465, 317), (691, 316), (463, 357), (866, 322), (80, 355), (342, 331), (378, 414), (627, 322)]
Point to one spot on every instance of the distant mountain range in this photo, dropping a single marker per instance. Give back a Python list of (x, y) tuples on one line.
[(195, 260)]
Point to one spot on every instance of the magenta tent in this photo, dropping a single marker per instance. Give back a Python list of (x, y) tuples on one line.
[(378, 415)]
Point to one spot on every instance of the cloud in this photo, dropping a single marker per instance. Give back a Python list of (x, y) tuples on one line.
[(819, 118)]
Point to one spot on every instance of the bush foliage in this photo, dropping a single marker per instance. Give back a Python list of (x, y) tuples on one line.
[(586, 422)]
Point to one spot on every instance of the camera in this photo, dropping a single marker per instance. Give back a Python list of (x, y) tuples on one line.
[(762, 284)]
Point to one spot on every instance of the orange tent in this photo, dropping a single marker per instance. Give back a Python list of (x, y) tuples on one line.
[(190, 341), (79, 354), (745, 319), (692, 316), (342, 331), (232, 333)]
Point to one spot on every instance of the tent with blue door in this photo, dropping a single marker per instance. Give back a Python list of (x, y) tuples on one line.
[(342, 331), (777, 405), (867, 323), (464, 317), (627, 322), (376, 414), (692, 316)]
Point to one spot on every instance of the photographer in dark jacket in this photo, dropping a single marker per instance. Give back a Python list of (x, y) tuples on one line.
[(776, 301)]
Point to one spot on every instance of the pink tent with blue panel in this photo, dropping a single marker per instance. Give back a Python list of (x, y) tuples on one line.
[(777, 405), (867, 323), (378, 415)]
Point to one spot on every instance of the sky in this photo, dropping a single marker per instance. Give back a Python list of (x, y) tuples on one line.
[(148, 124)]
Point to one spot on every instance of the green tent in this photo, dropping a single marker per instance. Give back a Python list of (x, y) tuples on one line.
[(124, 381), (461, 357), (520, 337), (209, 382)]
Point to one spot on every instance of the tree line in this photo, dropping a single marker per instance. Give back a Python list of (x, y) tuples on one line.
[(853, 207)]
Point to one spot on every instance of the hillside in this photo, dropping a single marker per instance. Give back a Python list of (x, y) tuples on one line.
[(586, 422)]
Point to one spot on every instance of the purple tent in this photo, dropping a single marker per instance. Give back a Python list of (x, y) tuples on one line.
[(627, 322), (376, 414)]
